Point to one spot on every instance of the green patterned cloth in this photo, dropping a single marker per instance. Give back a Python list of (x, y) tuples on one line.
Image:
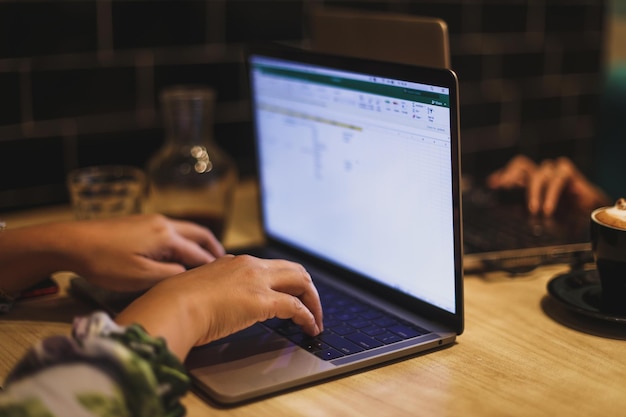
[(102, 369)]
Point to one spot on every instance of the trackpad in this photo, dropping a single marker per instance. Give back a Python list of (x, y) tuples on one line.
[(254, 340)]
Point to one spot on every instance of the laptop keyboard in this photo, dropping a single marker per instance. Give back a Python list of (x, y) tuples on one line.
[(504, 229), (488, 226), (350, 327)]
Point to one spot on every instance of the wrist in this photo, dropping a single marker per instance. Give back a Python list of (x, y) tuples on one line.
[(168, 313)]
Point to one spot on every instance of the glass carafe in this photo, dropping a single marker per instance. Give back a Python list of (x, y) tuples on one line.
[(190, 177)]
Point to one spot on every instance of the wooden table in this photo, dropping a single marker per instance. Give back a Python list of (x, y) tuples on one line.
[(521, 353)]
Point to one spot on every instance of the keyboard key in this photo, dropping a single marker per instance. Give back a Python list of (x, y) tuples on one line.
[(364, 341), (345, 316), (342, 345), (405, 332), (389, 338), (359, 324), (373, 330), (385, 321), (371, 314), (342, 329), (328, 354), (312, 344)]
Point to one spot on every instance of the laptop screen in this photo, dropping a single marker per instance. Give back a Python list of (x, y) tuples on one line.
[(356, 169)]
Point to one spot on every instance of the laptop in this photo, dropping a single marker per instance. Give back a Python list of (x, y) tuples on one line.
[(358, 169), (380, 35), (500, 233)]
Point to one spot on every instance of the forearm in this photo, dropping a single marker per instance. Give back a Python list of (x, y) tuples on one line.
[(30, 254)]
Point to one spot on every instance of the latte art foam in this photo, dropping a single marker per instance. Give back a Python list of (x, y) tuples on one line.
[(614, 216)]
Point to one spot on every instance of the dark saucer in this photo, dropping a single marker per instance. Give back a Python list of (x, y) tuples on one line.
[(580, 292)]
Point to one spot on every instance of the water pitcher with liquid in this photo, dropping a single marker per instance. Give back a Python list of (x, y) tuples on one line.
[(190, 176)]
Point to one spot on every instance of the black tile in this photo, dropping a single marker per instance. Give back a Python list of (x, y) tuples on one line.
[(258, 20), (47, 27), (141, 24), (589, 103), (480, 164), (228, 79), (471, 93), (82, 92), (550, 138), (573, 17), (31, 162), (504, 17), (9, 98), (541, 109), (582, 61), (133, 147), (597, 14), (523, 65), (371, 5), (480, 115), (468, 67), (578, 40), (579, 151), (31, 197)]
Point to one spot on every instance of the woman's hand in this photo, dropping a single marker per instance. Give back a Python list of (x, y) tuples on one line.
[(225, 296), (132, 253), (123, 253)]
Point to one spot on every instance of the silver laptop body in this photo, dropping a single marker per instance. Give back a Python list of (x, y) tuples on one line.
[(358, 168)]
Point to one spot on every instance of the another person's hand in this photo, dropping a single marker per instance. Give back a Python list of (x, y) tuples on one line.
[(123, 254), (131, 253), (547, 183), (225, 296)]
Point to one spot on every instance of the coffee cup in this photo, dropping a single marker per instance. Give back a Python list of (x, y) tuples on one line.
[(608, 244)]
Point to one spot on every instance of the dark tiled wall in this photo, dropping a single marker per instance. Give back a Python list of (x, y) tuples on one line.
[(79, 80)]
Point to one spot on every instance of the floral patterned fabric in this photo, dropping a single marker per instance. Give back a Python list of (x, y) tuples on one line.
[(102, 369)]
